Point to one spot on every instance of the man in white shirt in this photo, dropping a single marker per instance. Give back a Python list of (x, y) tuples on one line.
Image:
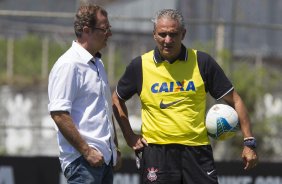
[(80, 102)]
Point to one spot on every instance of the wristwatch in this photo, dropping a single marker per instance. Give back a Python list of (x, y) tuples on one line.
[(250, 142)]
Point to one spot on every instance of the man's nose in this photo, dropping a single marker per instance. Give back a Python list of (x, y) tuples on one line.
[(168, 38)]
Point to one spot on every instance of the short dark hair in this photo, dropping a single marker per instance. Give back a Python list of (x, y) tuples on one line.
[(87, 16)]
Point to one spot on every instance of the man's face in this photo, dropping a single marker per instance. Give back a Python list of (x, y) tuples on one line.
[(98, 36), (168, 36)]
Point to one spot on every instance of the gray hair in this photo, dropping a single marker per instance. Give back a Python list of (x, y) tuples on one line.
[(169, 13)]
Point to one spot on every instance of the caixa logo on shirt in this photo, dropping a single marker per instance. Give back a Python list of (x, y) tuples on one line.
[(174, 86)]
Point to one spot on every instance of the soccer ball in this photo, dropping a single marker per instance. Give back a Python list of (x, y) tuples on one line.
[(222, 122)]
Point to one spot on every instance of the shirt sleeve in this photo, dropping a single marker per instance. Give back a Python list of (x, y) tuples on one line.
[(131, 81), (62, 87), (216, 82)]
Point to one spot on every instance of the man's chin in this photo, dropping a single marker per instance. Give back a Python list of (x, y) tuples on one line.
[(167, 53)]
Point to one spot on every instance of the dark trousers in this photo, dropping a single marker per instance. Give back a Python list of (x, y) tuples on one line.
[(178, 164)]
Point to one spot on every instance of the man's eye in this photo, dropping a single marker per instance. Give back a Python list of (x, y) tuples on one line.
[(163, 35), (173, 35)]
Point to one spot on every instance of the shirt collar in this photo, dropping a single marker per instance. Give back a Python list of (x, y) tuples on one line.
[(84, 54), (182, 56)]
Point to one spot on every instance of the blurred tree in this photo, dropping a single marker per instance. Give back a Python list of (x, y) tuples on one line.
[(3, 57), (28, 60), (252, 82)]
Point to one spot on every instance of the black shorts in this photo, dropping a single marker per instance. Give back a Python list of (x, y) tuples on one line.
[(178, 164)]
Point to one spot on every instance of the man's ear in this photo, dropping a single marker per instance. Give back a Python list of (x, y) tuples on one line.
[(183, 33), (154, 35), (86, 29)]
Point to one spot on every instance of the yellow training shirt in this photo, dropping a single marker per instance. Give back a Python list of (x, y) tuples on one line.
[(173, 101)]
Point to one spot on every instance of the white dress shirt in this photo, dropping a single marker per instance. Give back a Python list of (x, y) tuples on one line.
[(78, 84)]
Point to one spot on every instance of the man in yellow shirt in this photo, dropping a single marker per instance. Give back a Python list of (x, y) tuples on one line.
[(172, 82)]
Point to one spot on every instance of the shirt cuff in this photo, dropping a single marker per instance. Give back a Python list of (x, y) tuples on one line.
[(60, 105)]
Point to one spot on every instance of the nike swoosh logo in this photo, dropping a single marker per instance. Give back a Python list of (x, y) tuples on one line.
[(165, 106), (210, 172)]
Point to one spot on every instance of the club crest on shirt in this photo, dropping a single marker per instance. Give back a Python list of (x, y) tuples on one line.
[(152, 174)]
